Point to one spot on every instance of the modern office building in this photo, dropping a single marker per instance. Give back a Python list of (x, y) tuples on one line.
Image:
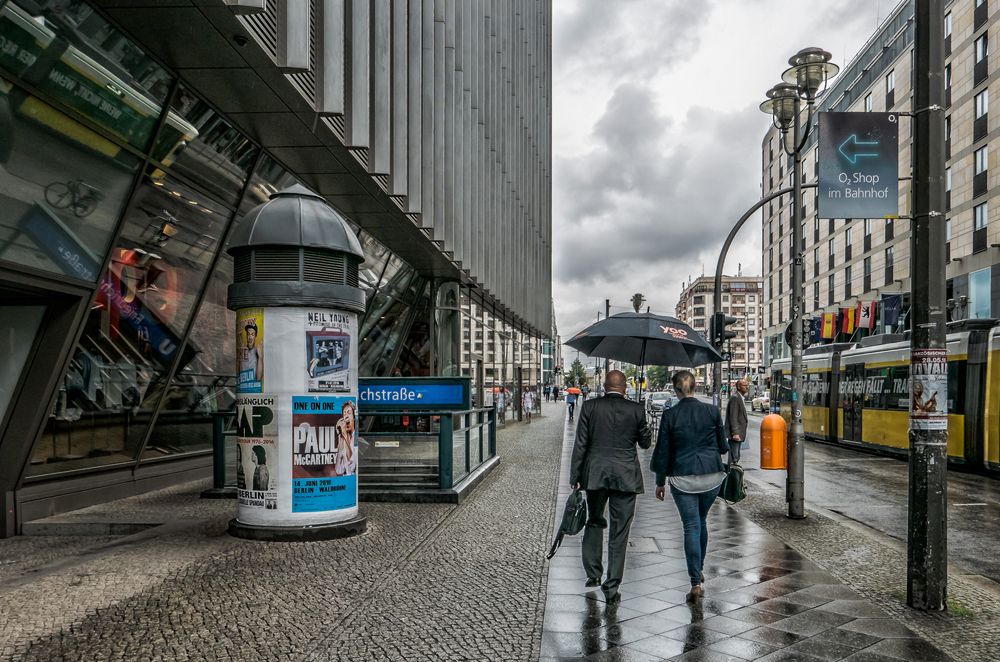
[(134, 135), (852, 260), (742, 298)]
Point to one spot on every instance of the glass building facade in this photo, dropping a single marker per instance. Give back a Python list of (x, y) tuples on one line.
[(119, 185)]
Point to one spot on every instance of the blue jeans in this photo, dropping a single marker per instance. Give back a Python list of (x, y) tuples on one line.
[(693, 509)]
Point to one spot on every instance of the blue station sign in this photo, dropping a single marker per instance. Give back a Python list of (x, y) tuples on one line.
[(858, 165), (414, 393)]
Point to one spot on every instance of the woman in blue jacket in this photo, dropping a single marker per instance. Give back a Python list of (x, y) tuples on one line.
[(688, 454)]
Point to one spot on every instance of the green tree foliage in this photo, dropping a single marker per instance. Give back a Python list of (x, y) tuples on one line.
[(576, 375)]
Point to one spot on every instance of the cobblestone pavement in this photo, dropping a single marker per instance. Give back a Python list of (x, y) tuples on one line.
[(427, 582), (764, 599)]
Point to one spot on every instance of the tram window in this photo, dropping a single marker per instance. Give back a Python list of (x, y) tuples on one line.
[(874, 388), (897, 388), (956, 386)]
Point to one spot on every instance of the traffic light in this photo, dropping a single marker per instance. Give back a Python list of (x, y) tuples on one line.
[(719, 332)]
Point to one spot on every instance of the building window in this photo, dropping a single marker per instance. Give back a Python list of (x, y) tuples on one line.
[(947, 25), (982, 107), (979, 294), (980, 157), (889, 276), (868, 102), (829, 293), (847, 282), (981, 215), (847, 236), (982, 48), (830, 248), (867, 275), (947, 129), (947, 76), (816, 295)]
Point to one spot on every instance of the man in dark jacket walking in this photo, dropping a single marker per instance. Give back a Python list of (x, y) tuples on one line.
[(736, 420), (605, 464)]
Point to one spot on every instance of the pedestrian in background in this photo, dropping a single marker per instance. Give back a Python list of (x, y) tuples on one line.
[(571, 402), (528, 403), (605, 464), (736, 420), (689, 451)]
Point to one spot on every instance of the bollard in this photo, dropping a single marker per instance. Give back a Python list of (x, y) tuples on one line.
[(773, 435), (296, 296)]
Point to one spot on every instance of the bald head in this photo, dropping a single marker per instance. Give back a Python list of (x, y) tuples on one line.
[(743, 386), (615, 381)]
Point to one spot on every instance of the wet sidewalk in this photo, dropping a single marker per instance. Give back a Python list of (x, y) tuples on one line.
[(763, 599)]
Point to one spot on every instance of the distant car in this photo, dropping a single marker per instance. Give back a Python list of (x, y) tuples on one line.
[(761, 403), (659, 401)]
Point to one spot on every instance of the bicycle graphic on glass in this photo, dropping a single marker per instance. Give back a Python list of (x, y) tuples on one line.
[(76, 194)]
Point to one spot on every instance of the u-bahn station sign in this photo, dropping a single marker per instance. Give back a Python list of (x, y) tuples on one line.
[(858, 165)]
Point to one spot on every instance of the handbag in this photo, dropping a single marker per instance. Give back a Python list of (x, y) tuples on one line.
[(733, 490), (573, 520)]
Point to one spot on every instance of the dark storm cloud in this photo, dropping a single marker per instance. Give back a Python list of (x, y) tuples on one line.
[(649, 195), (602, 34)]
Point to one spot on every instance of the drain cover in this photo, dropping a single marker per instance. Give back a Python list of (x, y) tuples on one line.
[(643, 546)]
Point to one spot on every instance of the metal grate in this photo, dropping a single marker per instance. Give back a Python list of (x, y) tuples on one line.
[(264, 27), (323, 266), (276, 264), (242, 268)]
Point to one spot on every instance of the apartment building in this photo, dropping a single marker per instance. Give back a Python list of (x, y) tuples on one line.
[(742, 298), (852, 260)]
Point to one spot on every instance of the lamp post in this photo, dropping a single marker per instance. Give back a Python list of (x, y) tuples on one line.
[(807, 74)]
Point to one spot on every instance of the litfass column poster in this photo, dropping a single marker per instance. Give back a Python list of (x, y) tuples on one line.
[(256, 452), (329, 335), (324, 453), (250, 349)]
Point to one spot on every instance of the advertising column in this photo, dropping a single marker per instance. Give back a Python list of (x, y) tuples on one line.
[(297, 379)]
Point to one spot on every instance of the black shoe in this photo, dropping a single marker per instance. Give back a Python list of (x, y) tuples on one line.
[(591, 582), (612, 597)]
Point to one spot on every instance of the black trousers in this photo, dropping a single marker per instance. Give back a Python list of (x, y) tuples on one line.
[(734, 451), (621, 510)]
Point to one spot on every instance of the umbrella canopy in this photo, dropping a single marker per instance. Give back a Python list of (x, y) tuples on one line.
[(574, 390), (645, 339)]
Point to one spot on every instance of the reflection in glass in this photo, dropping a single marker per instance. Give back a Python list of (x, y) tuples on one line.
[(143, 303), (66, 50), (62, 188), (205, 385), (415, 357), (219, 158)]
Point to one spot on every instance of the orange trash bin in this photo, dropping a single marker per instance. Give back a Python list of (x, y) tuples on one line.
[(773, 439)]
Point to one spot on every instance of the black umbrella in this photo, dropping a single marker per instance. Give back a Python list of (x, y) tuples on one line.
[(645, 339)]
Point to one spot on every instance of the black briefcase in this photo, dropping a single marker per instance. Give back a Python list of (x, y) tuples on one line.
[(573, 520)]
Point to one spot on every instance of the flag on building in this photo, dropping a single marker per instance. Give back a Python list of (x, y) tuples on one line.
[(816, 328), (829, 325), (866, 315), (847, 320), (892, 305)]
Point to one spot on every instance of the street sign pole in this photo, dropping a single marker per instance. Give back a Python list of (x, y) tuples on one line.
[(927, 549)]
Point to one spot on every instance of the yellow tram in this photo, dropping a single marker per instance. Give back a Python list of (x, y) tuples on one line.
[(857, 395)]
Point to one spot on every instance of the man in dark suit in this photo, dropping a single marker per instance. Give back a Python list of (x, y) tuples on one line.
[(605, 464), (736, 420)]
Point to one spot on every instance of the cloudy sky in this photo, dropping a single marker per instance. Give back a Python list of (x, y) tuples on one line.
[(657, 136)]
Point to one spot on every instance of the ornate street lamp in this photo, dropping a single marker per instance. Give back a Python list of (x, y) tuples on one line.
[(806, 77)]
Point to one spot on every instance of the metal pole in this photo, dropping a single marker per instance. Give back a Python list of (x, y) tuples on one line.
[(927, 549), (607, 314), (717, 291), (795, 476)]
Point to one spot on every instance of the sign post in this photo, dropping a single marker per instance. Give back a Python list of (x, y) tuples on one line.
[(858, 165)]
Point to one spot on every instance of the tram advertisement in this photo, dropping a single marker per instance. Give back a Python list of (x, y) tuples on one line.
[(256, 452), (929, 389), (329, 335), (250, 344), (324, 453)]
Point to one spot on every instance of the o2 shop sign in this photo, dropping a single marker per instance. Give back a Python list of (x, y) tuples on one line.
[(858, 165)]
